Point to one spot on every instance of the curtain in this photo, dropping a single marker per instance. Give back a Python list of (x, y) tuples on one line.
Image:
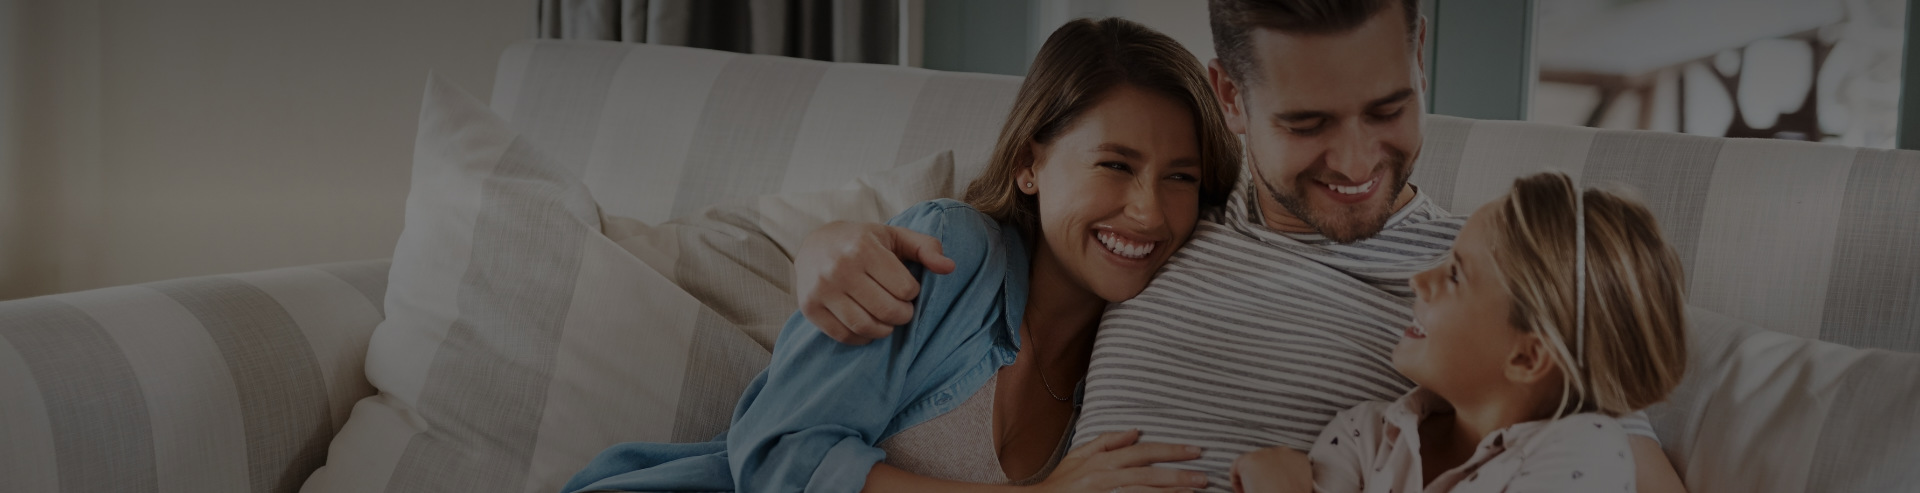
[(864, 31)]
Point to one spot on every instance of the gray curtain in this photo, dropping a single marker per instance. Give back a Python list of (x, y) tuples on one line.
[(833, 30)]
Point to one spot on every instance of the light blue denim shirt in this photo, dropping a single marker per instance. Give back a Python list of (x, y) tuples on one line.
[(813, 419)]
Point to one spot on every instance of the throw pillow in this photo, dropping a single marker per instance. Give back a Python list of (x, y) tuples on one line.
[(1764, 411), (526, 331)]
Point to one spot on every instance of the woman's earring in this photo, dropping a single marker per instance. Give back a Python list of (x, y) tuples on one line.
[(1029, 184)]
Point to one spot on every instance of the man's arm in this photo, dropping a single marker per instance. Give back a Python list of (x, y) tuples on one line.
[(852, 281), (1652, 473)]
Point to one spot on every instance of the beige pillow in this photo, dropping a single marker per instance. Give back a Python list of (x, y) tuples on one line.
[(1762, 411), (521, 340)]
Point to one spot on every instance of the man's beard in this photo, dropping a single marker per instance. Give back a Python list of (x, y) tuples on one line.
[(1349, 223)]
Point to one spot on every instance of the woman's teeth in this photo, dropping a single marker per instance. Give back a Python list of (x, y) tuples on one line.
[(1353, 190), (1122, 247)]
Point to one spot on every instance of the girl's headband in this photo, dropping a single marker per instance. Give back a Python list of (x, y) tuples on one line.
[(1580, 275)]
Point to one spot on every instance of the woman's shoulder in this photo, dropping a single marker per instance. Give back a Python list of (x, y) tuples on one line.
[(935, 216), (966, 235)]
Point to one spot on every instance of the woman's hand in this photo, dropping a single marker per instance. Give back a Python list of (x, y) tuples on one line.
[(1273, 470), (1115, 462)]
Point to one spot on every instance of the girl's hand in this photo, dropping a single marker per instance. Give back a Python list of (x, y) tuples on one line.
[(1273, 470), (1114, 462)]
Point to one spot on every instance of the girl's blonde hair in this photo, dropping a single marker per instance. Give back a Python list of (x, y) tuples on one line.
[(1635, 347), (1079, 64)]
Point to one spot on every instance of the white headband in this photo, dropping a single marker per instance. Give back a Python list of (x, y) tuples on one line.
[(1580, 276)]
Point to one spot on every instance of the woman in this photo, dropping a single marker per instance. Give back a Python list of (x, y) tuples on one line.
[(1112, 150)]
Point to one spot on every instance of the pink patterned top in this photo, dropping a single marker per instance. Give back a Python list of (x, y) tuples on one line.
[(1375, 447)]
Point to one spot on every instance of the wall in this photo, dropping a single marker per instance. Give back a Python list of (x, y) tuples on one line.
[(10, 258), (188, 137)]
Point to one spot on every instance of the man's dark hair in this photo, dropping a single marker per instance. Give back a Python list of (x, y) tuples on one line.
[(1233, 22)]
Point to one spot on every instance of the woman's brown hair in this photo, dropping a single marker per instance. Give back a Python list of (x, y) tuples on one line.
[(1079, 64), (1635, 347)]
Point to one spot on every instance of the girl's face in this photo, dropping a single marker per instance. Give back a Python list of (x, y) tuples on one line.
[(1118, 191), (1461, 337)]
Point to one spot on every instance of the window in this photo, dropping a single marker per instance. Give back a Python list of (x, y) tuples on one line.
[(1817, 70)]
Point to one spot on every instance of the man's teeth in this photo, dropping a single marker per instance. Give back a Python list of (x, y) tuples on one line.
[(1353, 190), (1122, 247)]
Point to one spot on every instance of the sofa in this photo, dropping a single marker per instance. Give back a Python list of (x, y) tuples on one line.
[(705, 167)]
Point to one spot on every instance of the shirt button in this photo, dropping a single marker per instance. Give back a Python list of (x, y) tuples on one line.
[(942, 399)]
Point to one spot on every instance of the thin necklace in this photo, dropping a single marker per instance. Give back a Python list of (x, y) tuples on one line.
[(1042, 370)]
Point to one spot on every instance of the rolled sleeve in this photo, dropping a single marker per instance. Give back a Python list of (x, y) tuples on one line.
[(845, 466), (813, 419)]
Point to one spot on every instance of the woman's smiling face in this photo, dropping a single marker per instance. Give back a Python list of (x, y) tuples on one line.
[(1118, 191)]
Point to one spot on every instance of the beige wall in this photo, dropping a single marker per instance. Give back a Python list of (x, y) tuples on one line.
[(176, 138)]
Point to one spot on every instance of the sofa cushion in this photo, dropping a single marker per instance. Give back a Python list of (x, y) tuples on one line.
[(663, 131), (1808, 239), (1762, 411), (526, 331), (218, 383)]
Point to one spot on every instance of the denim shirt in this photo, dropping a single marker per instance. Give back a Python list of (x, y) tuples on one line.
[(812, 421)]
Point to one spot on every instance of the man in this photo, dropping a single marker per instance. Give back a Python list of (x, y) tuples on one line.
[(1285, 310)]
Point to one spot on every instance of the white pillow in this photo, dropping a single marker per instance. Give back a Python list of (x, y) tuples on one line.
[(1762, 411), (521, 340)]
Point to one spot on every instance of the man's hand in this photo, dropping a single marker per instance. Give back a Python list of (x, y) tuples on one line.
[(852, 281), (1273, 470)]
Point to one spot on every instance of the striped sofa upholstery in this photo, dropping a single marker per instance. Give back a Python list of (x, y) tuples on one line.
[(1803, 238), (235, 383), (1809, 239), (665, 131), (218, 383)]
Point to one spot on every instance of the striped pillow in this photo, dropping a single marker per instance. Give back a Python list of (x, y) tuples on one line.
[(526, 331)]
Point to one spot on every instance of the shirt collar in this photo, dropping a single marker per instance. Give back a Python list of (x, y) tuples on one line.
[(1407, 412), (1014, 285), (1243, 210)]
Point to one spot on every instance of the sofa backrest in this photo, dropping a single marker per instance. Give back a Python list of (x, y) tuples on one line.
[(1814, 240), (1809, 239), (662, 131)]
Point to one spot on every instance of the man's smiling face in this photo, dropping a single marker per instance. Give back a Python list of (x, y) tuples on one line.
[(1332, 123)]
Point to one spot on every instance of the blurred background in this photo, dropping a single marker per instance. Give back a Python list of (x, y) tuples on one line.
[(1820, 70), (143, 140)]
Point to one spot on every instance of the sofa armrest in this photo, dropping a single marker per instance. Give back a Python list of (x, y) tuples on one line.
[(218, 383)]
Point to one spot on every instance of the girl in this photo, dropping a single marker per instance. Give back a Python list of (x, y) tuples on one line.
[(1525, 345), (1112, 150)]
